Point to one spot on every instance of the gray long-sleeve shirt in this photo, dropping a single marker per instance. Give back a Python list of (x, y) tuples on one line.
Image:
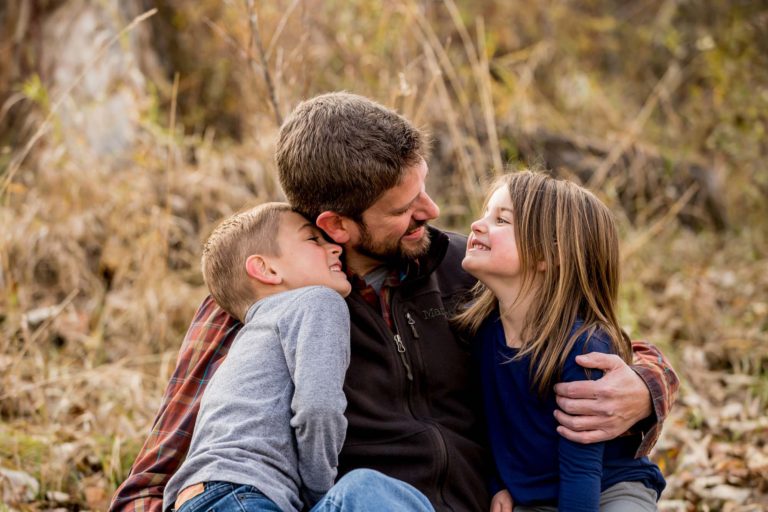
[(272, 416)]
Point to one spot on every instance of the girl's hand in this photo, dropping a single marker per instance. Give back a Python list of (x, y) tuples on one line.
[(600, 410), (502, 502)]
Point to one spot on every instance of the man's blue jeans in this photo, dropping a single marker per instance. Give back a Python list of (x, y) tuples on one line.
[(358, 490)]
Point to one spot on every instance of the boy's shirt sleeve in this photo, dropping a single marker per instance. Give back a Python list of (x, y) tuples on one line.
[(316, 345), (662, 381), (205, 345)]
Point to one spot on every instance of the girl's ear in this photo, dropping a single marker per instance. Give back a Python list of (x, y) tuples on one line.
[(335, 226), (541, 266), (259, 268)]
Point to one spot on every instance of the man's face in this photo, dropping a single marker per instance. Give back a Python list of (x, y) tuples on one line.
[(393, 229)]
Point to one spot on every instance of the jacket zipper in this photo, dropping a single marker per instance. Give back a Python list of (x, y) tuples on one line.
[(401, 352), (443, 451), (434, 429), (412, 324)]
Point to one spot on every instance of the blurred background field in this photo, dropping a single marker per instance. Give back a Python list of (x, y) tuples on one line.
[(128, 128)]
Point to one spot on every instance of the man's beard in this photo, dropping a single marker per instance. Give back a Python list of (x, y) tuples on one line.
[(392, 251)]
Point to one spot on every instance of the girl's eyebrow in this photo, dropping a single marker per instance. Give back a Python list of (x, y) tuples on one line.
[(501, 209)]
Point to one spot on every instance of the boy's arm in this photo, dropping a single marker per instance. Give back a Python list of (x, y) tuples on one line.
[(205, 345), (626, 396), (318, 366)]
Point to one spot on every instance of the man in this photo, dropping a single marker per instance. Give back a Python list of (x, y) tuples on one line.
[(358, 169)]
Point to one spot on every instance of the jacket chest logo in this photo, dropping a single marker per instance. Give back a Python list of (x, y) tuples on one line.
[(431, 313)]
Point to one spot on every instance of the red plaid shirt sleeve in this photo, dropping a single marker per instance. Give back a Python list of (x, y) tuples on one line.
[(662, 381), (205, 345)]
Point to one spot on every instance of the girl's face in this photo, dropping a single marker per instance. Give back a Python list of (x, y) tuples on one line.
[(491, 248)]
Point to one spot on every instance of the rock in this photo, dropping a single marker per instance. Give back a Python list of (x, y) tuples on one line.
[(17, 486), (99, 120), (57, 497)]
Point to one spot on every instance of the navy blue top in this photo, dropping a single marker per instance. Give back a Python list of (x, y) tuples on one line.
[(535, 463)]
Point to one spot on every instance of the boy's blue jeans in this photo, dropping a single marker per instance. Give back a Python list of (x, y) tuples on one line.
[(358, 490)]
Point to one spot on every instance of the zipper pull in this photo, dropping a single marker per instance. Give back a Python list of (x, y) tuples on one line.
[(412, 324), (401, 351)]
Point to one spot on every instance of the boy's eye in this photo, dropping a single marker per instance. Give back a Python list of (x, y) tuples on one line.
[(314, 238)]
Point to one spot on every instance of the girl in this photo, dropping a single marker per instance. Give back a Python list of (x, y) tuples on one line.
[(546, 253)]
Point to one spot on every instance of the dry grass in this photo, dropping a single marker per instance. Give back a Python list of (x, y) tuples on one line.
[(98, 255)]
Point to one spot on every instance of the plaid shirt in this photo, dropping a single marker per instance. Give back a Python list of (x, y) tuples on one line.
[(206, 344), (380, 300), (662, 381)]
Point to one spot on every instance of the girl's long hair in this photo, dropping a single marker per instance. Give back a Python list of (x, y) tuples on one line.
[(569, 229)]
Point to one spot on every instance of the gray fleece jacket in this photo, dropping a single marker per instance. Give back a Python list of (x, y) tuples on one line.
[(272, 415)]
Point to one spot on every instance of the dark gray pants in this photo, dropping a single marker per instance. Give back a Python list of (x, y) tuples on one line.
[(622, 497)]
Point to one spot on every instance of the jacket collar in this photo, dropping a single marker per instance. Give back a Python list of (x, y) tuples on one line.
[(428, 263)]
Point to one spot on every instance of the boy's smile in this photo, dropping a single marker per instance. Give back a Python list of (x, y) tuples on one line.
[(306, 258)]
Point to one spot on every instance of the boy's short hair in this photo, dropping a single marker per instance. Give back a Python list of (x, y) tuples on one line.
[(249, 232), (340, 152)]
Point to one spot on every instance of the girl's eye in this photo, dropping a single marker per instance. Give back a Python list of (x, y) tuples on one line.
[(501, 220)]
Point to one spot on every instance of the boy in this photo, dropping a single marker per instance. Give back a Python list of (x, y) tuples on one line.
[(271, 421)]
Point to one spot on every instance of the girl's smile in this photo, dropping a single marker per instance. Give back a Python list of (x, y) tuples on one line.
[(492, 246)]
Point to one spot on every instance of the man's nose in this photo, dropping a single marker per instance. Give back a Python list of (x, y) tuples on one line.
[(427, 209)]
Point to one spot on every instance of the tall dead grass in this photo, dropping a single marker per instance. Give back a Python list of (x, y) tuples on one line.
[(99, 262)]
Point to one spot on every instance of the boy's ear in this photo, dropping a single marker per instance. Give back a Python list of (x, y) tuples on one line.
[(258, 267), (335, 226)]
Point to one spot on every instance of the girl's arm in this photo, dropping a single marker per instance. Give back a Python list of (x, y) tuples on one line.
[(594, 411), (581, 472), (581, 465)]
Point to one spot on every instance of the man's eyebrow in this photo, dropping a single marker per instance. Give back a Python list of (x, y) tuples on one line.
[(410, 203), (407, 206)]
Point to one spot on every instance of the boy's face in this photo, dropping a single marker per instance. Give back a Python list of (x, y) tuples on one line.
[(306, 258)]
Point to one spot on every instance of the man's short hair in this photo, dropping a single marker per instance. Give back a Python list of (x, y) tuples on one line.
[(340, 152), (249, 232)]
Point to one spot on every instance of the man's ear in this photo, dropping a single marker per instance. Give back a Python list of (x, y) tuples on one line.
[(335, 226), (258, 267)]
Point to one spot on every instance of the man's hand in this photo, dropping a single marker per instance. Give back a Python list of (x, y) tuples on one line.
[(600, 410), (502, 502)]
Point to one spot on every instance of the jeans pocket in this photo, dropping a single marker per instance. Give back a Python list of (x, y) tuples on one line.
[(214, 491), (251, 500)]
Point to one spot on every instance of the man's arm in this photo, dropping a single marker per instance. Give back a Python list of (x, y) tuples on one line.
[(205, 345), (594, 411)]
